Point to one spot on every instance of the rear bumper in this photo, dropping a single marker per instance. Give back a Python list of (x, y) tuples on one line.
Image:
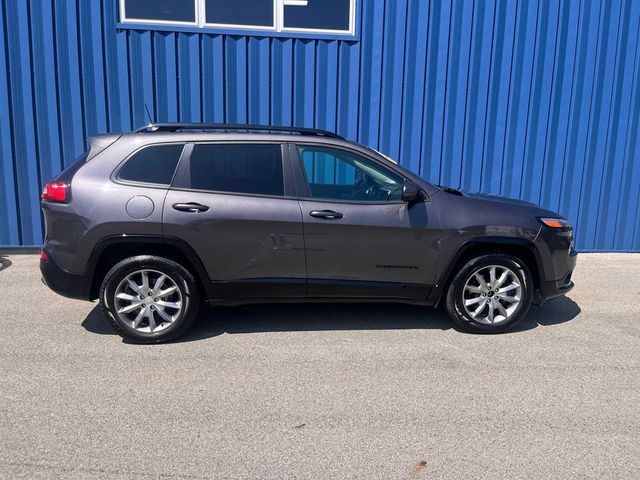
[(67, 284)]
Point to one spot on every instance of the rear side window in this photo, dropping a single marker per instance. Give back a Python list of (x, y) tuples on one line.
[(238, 168), (154, 164), (67, 174)]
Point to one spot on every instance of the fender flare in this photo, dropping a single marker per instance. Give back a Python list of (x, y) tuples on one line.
[(446, 275), (179, 244)]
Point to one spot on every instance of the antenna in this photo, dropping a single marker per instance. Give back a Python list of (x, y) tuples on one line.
[(148, 114)]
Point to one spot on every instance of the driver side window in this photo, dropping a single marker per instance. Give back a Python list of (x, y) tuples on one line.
[(334, 174)]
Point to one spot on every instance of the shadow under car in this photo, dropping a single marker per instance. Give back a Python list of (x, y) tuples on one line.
[(300, 317)]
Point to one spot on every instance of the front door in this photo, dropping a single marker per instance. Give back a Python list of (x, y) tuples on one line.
[(230, 202), (361, 239)]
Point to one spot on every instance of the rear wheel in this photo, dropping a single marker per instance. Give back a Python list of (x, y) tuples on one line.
[(149, 299), (490, 294)]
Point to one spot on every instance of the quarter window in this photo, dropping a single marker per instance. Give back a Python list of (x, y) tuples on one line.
[(155, 164), (340, 175), (254, 169)]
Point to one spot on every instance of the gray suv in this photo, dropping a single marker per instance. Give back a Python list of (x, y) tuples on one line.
[(154, 221)]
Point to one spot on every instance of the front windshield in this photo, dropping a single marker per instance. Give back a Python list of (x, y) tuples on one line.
[(387, 157), (392, 161)]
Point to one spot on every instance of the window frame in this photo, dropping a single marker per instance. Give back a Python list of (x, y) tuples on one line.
[(182, 179), (302, 183), (147, 21), (239, 26), (352, 20), (115, 175), (278, 29)]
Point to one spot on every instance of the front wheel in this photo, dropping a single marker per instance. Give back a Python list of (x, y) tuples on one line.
[(490, 294), (149, 299)]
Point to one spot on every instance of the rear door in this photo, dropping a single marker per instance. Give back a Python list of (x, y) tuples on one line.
[(234, 204), (361, 239)]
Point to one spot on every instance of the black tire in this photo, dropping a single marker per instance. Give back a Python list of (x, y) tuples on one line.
[(180, 276), (456, 293)]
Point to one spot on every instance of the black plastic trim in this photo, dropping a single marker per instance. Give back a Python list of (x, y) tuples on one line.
[(181, 245), (258, 288), (67, 284), (549, 290), (230, 127), (438, 289), (328, 288)]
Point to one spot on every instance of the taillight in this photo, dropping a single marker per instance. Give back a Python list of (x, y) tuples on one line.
[(43, 256), (56, 192)]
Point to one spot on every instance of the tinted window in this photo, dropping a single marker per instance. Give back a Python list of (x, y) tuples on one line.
[(340, 175), (319, 14), (167, 10), (240, 12), (154, 164), (252, 169), (67, 174)]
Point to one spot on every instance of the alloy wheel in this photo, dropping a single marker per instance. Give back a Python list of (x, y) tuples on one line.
[(148, 301), (492, 294)]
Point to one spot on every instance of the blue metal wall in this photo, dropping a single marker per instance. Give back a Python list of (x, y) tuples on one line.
[(533, 99)]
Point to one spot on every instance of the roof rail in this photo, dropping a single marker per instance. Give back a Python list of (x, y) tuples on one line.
[(226, 127)]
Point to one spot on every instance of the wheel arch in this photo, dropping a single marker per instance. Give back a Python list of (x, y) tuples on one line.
[(518, 247), (112, 250)]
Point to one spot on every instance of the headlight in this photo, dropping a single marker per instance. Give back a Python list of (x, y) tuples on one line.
[(554, 222)]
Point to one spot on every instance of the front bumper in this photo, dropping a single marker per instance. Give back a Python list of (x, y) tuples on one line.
[(67, 284), (549, 290), (557, 261)]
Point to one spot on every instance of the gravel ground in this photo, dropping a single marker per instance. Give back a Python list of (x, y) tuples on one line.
[(324, 391)]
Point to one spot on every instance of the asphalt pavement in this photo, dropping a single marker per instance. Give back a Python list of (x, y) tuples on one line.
[(324, 391)]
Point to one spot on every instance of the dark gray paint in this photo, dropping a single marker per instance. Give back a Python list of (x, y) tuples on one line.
[(253, 247), (371, 243), (241, 237)]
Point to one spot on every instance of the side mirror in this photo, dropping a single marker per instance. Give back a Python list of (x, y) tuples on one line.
[(411, 192)]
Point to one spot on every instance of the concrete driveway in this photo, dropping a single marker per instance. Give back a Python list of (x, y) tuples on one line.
[(324, 391)]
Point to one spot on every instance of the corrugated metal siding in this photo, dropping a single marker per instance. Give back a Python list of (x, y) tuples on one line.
[(533, 99)]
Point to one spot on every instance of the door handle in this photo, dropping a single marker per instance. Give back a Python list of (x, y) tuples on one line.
[(326, 214), (191, 207)]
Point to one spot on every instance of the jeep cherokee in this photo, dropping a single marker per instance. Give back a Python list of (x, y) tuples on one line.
[(152, 221)]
